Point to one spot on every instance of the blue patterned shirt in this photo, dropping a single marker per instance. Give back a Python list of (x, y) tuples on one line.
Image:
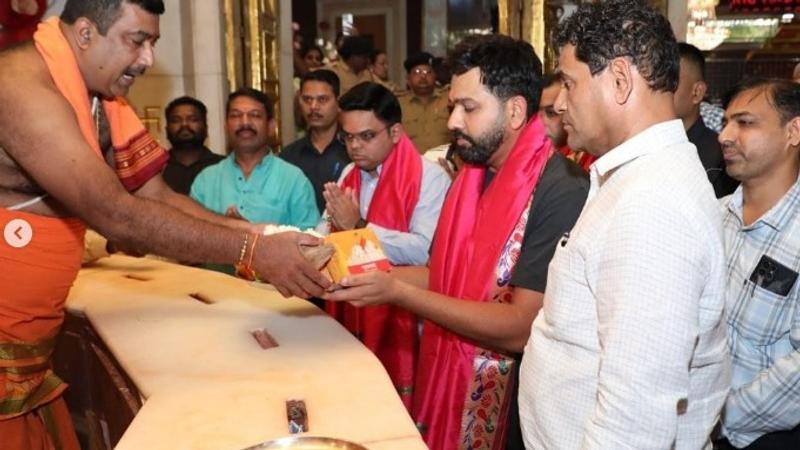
[(712, 116), (764, 326)]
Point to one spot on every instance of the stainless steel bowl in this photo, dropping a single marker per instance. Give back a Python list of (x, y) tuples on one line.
[(307, 443)]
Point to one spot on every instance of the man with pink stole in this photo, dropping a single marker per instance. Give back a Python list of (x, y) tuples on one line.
[(499, 226)]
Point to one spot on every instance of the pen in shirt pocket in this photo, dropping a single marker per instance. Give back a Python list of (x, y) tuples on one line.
[(765, 271), (336, 167)]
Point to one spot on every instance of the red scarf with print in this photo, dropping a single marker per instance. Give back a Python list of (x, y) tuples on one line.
[(473, 228)]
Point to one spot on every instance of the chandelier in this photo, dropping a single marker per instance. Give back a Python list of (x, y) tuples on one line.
[(703, 31)]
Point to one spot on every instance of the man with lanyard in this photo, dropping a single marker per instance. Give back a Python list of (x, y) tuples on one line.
[(501, 220), (398, 194), (761, 224), (54, 180)]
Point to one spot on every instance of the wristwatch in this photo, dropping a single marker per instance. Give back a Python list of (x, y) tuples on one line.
[(361, 223)]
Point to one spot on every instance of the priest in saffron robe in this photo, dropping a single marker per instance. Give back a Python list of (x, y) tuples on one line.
[(63, 122)]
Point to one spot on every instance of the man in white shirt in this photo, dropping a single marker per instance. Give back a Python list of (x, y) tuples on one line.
[(629, 350)]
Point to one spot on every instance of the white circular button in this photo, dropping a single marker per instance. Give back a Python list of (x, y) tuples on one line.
[(18, 233)]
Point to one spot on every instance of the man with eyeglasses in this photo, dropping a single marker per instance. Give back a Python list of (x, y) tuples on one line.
[(424, 107), (319, 154), (398, 194)]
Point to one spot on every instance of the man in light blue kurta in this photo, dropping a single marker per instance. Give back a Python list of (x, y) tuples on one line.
[(251, 182), (275, 192)]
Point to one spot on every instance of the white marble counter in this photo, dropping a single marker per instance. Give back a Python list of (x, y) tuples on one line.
[(208, 384)]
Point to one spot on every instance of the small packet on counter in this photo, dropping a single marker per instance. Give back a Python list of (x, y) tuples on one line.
[(297, 416), (357, 251)]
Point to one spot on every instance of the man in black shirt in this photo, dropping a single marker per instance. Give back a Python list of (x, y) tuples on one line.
[(691, 90), (320, 155), (495, 96), (187, 130)]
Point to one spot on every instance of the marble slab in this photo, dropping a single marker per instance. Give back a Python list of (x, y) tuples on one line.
[(183, 335)]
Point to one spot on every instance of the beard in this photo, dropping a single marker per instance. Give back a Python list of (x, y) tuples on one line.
[(186, 141), (482, 147)]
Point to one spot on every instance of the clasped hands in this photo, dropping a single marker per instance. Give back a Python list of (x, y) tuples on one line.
[(342, 206)]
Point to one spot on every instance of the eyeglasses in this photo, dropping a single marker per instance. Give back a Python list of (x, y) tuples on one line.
[(421, 71), (364, 137)]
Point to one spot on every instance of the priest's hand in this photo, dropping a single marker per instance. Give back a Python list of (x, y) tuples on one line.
[(372, 288), (233, 212), (240, 223), (342, 206), (279, 261)]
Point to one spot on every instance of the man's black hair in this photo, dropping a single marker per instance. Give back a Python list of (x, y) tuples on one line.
[(509, 67), (418, 59), (253, 94), (324, 76), (783, 95), (186, 100), (103, 13), (612, 29), (373, 97), (308, 48), (693, 56), (550, 79), (356, 46)]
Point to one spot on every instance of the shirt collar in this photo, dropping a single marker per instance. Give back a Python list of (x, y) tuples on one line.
[(369, 177), (778, 217), (205, 155), (265, 161), (652, 139), (436, 94), (309, 146)]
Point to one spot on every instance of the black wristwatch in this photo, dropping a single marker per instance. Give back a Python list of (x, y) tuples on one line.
[(361, 223)]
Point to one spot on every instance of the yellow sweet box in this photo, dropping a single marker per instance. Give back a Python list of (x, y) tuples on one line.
[(357, 251)]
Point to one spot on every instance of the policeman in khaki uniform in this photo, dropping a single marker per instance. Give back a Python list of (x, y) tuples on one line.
[(425, 111), (353, 67)]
